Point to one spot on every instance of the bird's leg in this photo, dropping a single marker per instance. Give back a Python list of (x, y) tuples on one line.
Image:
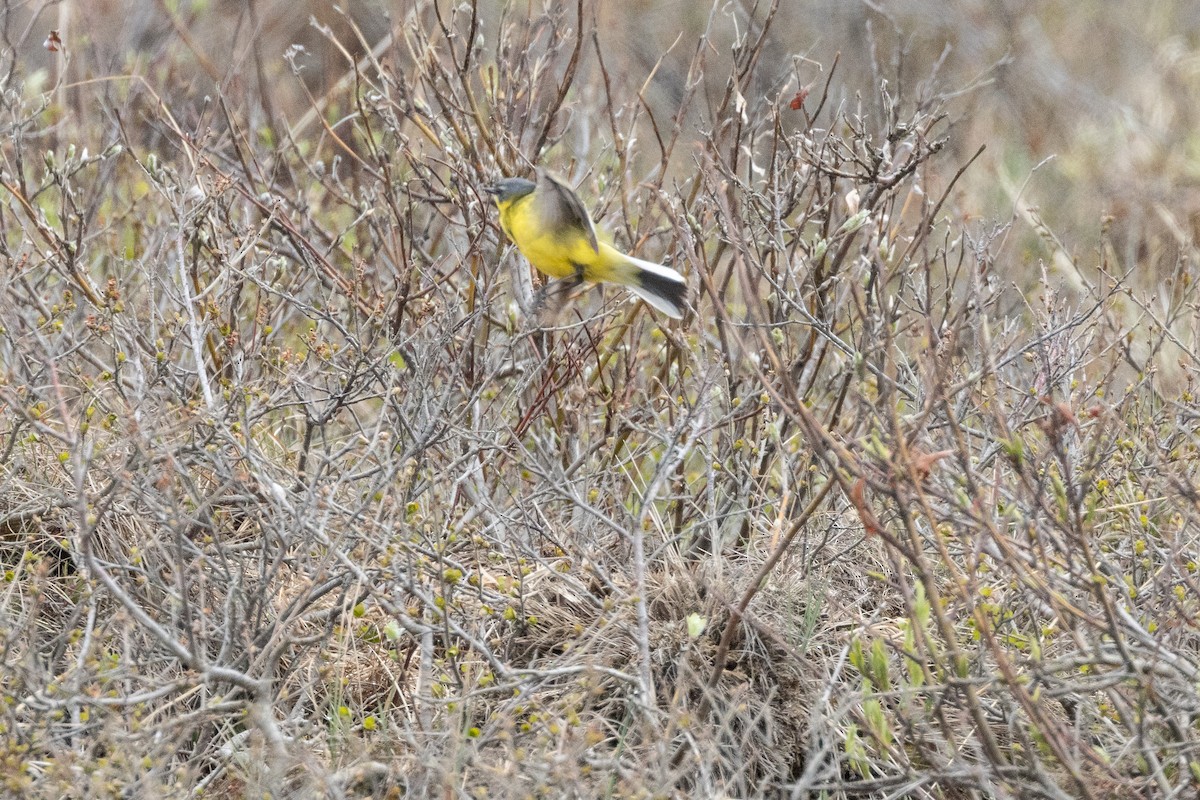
[(560, 290), (569, 285)]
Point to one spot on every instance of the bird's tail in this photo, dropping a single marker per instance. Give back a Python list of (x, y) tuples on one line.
[(661, 287)]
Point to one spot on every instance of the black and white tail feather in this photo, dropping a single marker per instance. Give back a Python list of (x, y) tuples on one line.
[(662, 287)]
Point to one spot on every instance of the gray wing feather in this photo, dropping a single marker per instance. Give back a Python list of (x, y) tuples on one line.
[(563, 208)]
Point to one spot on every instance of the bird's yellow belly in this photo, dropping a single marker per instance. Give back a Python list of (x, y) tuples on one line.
[(554, 257), (558, 254)]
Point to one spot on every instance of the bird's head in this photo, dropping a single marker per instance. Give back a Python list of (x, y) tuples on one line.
[(507, 189)]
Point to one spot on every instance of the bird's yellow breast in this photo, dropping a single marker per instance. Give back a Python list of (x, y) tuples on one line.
[(558, 252)]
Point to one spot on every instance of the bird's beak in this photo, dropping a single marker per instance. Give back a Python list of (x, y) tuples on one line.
[(491, 188)]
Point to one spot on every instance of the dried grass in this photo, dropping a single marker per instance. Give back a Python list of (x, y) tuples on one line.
[(297, 499)]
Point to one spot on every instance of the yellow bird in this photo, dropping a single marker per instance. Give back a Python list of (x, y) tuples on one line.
[(549, 225)]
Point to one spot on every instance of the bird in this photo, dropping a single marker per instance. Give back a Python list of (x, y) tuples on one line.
[(548, 223)]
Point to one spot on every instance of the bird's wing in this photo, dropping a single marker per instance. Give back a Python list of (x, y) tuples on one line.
[(566, 208)]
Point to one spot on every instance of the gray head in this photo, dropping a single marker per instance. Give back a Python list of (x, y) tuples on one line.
[(507, 189)]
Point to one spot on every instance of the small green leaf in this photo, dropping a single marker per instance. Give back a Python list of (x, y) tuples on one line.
[(856, 753), (879, 666), (873, 713)]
